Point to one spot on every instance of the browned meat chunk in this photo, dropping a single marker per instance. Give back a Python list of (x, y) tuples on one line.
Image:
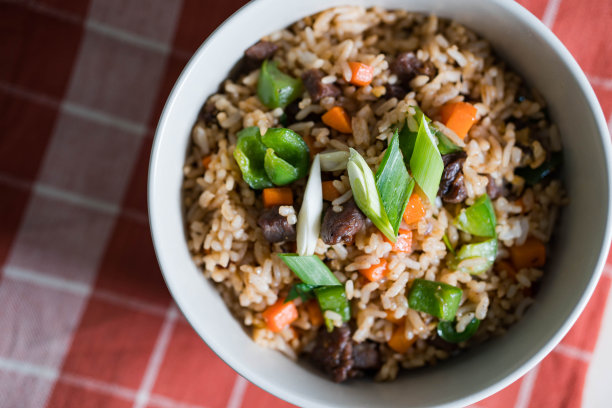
[(406, 66), (275, 227), (208, 113), (452, 185), (317, 89), (336, 354), (396, 91), (342, 226), (492, 189), (261, 50)]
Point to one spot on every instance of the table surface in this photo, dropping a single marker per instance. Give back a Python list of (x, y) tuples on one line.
[(85, 317)]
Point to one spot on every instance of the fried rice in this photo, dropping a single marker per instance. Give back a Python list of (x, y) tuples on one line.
[(512, 130)]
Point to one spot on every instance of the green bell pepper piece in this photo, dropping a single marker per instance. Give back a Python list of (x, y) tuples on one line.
[(290, 147), (447, 331), (275, 89), (333, 298), (435, 298), (279, 171), (478, 219), (249, 154), (534, 176)]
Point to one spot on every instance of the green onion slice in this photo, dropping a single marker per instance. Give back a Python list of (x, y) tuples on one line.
[(394, 184), (366, 195), (310, 269), (478, 219), (309, 217), (333, 298), (334, 161), (448, 244), (426, 163), (435, 298), (302, 290), (448, 332), (482, 253)]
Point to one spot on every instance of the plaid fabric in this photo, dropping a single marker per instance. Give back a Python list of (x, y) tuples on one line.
[(85, 317)]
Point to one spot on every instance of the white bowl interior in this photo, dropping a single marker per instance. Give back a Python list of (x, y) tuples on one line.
[(579, 249)]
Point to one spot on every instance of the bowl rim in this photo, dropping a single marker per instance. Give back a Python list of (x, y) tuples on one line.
[(243, 369)]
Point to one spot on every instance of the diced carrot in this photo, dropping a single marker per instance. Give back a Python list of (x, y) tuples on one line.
[(506, 266), (206, 161), (330, 193), (391, 317), (459, 117), (375, 272), (398, 341), (280, 315), (362, 74), (314, 313), (338, 119), (277, 196), (532, 254), (415, 210), (311, 147), (403, 242)]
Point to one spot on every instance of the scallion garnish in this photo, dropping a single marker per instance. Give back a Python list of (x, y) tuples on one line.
[(334, 161), (316, 277), (394, 184), (426, 163), (478, 219), (366, 195), (309, 218), (302, 290), (475, 258), (448, 244)]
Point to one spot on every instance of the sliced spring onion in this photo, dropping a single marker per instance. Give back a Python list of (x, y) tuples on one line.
[(333, 161), (534, 176), (316, 277), (366, 195), (426, 163), (333, 298), (448, 244), (475, 258), (448, 332), (276, 89), (478, 219), (309, 218), (310, 269), (394, 184), (435, 298), (302, 290)]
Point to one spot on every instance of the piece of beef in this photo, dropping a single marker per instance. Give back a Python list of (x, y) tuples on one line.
[(274, 226), (396, 91), (261, 50), (452, 185), (342, 226), (406, 66), (316, 88), (208, 113), (337, 355)]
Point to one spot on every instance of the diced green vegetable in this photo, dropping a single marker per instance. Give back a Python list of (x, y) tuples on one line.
[(249, 154), (534, 176), (426, 163), (309, 217), (435, 298), (334, 161), (333, 298), (407, 139), (448, 244), (276, 89), (278, 170), (303, 290), (310, 269), (445, 145), (447, 331), (394, 184), (366, 195), (316, 277), (279, 157), (486, 250), (478, 219)]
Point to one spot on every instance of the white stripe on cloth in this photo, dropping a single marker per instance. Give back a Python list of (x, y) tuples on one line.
[(550, 13), (524, 394), (156, 359), (237, 394), (573, 352)]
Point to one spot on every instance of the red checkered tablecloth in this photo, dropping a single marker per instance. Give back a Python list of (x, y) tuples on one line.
[(85, 317)]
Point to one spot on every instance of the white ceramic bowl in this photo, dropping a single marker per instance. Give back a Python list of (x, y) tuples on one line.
[(575, 262)]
